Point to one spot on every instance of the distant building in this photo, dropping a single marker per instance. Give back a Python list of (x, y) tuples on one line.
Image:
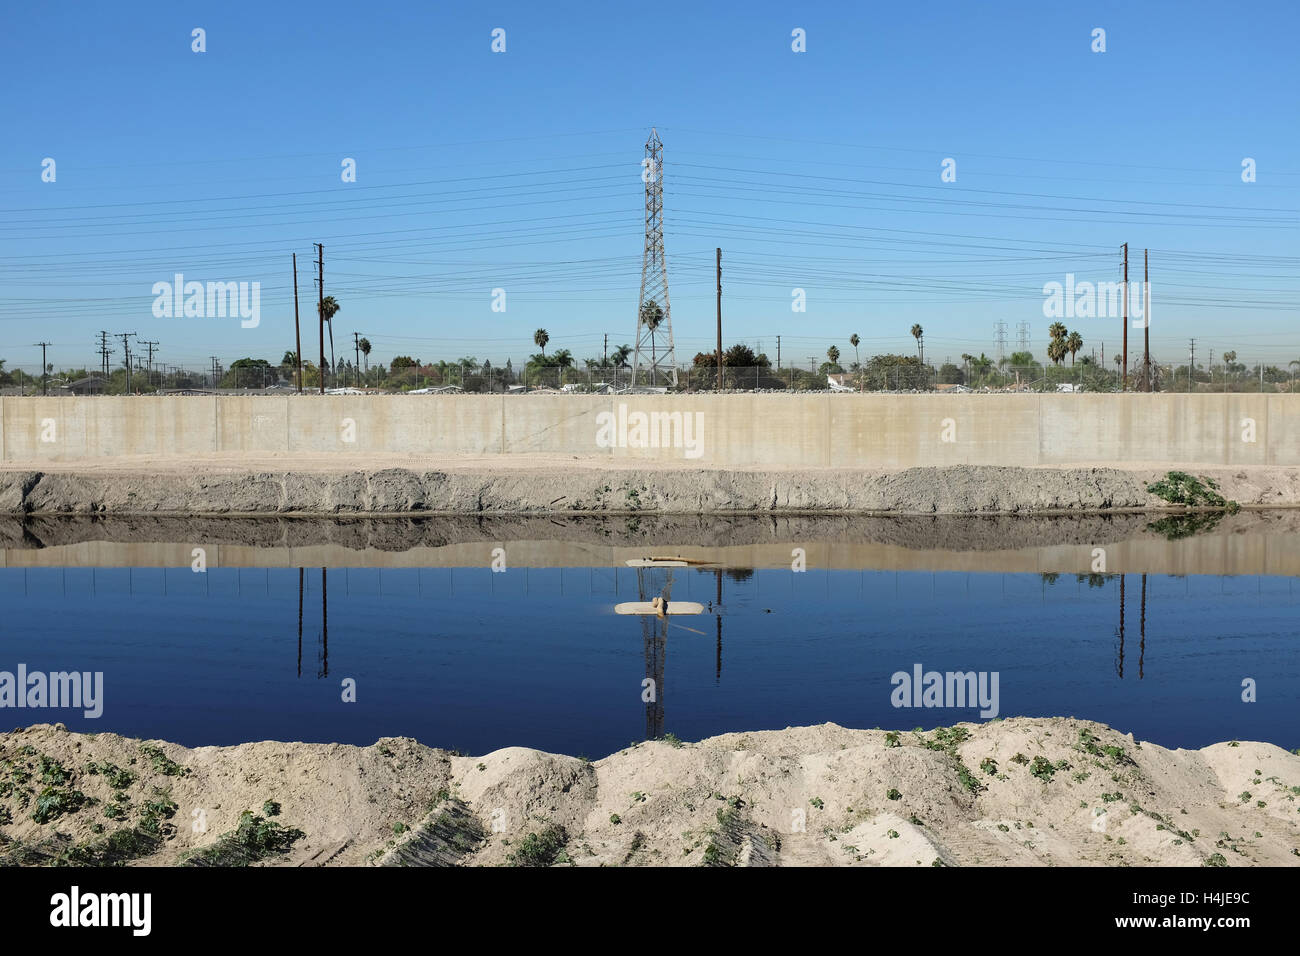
[(90, 385)]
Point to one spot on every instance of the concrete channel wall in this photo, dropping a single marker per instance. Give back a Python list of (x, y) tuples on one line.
[(720, 431)]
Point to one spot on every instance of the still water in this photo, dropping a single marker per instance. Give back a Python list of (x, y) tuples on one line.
[(470, 659)]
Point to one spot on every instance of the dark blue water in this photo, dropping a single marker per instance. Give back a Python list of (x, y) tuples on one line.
[(473, 660)]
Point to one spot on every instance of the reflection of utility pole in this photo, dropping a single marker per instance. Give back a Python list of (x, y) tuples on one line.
[(300, 583), (717, 607), (324, 669), (1119, 663), (1142, 644)]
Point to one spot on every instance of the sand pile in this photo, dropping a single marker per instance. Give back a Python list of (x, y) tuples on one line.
[(1023, 791)]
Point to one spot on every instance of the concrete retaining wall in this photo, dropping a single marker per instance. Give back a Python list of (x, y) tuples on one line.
[(863, 431)]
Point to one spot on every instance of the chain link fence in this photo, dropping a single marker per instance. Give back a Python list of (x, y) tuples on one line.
[(488, 379)]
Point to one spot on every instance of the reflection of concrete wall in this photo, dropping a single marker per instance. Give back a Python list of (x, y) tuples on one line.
[(1213, 554), (882, 431)]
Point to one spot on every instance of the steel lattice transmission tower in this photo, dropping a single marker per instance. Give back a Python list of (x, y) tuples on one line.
[(654, 321)]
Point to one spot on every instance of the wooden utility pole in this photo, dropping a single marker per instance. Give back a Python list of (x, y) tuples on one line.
[(719, 265), (356, 345), (150, 346), (1146, 322), (44, 382), (297, 330), (320, 309), (126, 347), (1124, 353)]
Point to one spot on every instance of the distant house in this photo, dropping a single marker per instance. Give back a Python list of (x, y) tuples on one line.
[(90, 385)]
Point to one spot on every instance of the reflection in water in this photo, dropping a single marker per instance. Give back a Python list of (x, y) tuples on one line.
[(1142, 630), (1119, 661), (452, 666), (323, 651)]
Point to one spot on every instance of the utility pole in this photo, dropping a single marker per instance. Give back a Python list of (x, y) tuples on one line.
[(778, 353), (1124, 353), (150, 347), (356, 345), (44, 378), (1146, 322), (104, 353), (320, 307), (126, 358), (1191, 367), (719, 264), (297, 330), (605, 360)]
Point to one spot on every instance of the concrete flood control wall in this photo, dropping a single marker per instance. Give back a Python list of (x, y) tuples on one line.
[(719, 431)]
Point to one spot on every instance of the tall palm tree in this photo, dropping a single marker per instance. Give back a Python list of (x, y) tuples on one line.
[(833, 354), (1073, 342), (917, 332), (327, 308), (854, 340), (1057, 330), (540, 338), (365, 351)]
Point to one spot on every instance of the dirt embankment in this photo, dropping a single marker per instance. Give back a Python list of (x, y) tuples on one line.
[(582, 487), (1023, 791)]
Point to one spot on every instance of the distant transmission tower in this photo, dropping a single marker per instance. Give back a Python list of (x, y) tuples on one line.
[(653, 317), (1001, 330), (1022, 337)]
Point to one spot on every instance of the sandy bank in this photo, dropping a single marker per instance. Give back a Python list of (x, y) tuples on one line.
[(1024, 791), (550, 486)]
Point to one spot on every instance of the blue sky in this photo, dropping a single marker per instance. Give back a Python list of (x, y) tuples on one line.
[(521, 170)]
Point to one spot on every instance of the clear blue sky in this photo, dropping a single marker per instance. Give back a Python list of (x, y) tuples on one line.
[(817, 170)]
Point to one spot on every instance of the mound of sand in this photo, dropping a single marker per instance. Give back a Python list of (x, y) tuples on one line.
[(1023, 791)]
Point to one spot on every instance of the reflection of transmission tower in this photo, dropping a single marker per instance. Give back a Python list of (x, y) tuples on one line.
[(653, 316), (654, 636)]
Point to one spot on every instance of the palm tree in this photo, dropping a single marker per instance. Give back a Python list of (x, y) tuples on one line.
[(1073, 342), (365, 351), (857, 359), (327, 308), (917, 332), (540, 338), (1056, 350), (1057, 330), (653, 317)]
